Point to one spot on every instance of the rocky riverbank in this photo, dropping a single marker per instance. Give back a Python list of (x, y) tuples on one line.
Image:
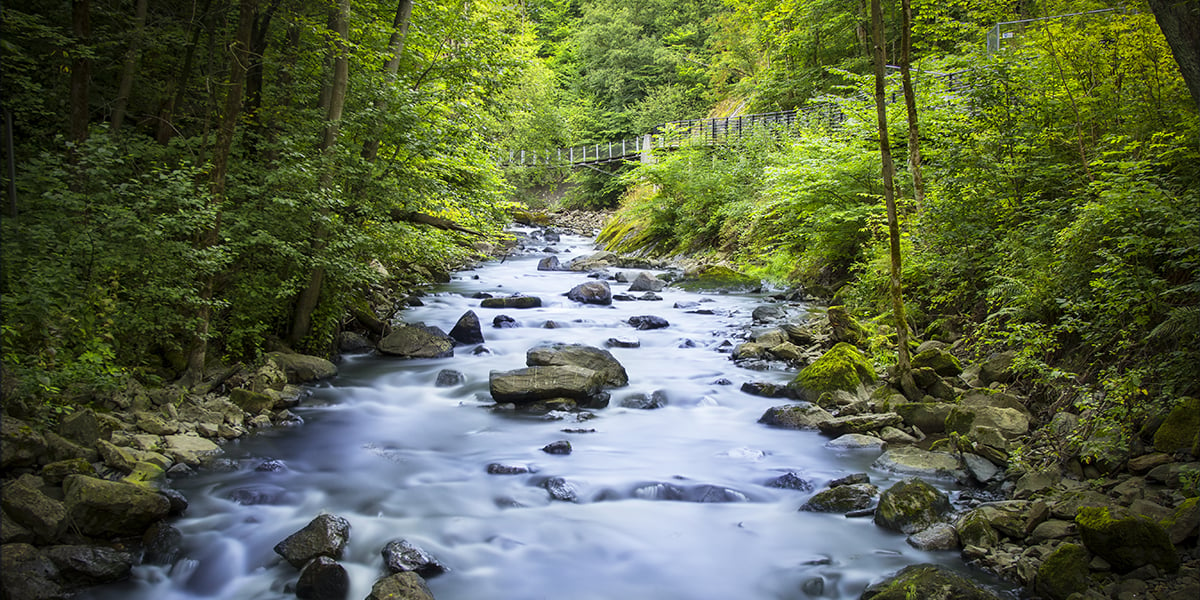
[(86, 501)]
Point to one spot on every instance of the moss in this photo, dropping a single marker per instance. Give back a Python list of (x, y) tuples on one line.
[(1179, 431), (910, 506), (720, 278), (975, 530), (927, 582), (943, 363), (845, 328), (1064, 572), (1127, 541), (843, 367)]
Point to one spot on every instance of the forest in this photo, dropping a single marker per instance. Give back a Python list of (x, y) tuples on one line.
[(193, 183)]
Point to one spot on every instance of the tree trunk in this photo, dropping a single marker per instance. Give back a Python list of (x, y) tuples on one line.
[(81, 68), (400, 27), (239, 60), (175, 92), (910, 105), (306, 303), (131, 62), (254, 74), (889, 190), (1180, 24)]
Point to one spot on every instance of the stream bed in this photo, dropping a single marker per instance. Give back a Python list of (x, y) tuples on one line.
[(671, 503)]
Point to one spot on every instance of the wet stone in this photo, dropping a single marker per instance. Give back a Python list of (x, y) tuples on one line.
[(402, 555), (790, 481), (559, 447), (560, 489)]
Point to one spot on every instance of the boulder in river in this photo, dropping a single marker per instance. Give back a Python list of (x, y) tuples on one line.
[(592, 292), (648, 322), (561, 447), (417, 341), (714, 278), (504, 322), (910, 506), (795, 416), (645, 282), (657, 399), (449, 378), (858, 423), (517, 301), (550, 263), (467, 329), (402, 555), (560, 489), (400, 586), (843, 367), (842, 499), (579, 355), (910, 460), (302, 368), (326, 535), (927, 582), (543, 383), (323, 579)]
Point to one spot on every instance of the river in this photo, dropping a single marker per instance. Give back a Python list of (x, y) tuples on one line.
[(400, 457)]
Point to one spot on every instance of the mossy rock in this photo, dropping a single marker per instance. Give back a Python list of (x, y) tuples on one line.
[(843, 367), (842, 499), (1184, 522), (943, 363), (974, 529), (845, 328), (1064, 572), (1127, 541), (910, 506), (1179, 431), (718, 278), (927, 582)]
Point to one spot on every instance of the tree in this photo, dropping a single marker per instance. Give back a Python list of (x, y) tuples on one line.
[(1180, 24), (889, 190), (910, 106)]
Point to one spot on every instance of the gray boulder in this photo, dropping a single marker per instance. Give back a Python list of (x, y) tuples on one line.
[(90, 565), (657, 399), (842, 499), (645, 282), (323, 579), (909, 460), (102, 508), (795, 416), (20, 445), (550, 263), (579, 355), (856, 441), (26, 503), (645, 322), (939, 536), (910, 506), (27, 574), (511, 302), (417, 341), (592, 292), (542, 383), (859, 423), (401, 555), (191, 450), (467, 330), (449, 378), (326, 535), (302, 368)]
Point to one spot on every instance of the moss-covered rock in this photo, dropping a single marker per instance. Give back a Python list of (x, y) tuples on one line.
[(845, 328), (1179, 431), (927, 582), (1127, 541), (717, 278), (842, 499), (1184, 522), (795, 416), (843, 367), (974, 529), (910, 506), (943, 363), (112, 509), (929, 417), (1064, 572)]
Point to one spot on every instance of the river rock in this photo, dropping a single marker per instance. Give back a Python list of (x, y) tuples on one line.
[(191, 450), (417, 341), (1007, 517), (657, 399), (55, 472), (545, 382), (842, 499), (939, 536), (20, 444), (25, 502), (909, 460), (941, 362), (1127, 541), (161, 544), (402, 555), (713, 278), (89, 565), (997, 368), (927, 582), (623, 342), (645, 282), (102, 508), (1180, 431), (975, 530), (247, 400), (910, 506), (580, 355), (795, 416), (302, 368), (550, 263), (504, 322), (767, 389), (1063, 572), (323, 579), (594, 262), (858, 423), (467, 329), (768, 312), (517, 302), (560, 489), (326, 535), (27, 574), (400, 586), (86, 426), (644, 322), (592, 292), (558, 447), (790, 481), (856, 441), (966, 420), (503, 469), (929, 417), (449, 378), (843, 367)]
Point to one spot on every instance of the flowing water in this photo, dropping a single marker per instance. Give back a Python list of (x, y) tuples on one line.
[(671, 503)]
